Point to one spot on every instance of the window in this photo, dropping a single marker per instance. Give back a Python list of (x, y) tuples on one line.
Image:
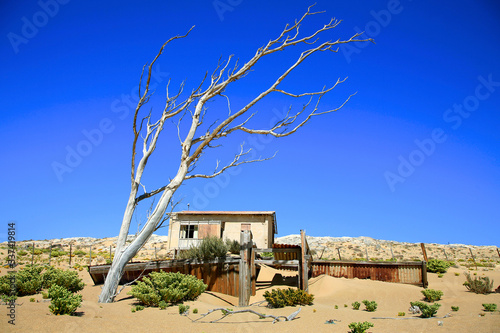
[(189, 231), (246, 226)]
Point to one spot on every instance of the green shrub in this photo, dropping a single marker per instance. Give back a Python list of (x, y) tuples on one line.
[(457, 274), (63, 301), (401, 314), (195, 311), (210, 248), (279, 298), (479, 285), (360, 327), (426, 309), (169, 287), (162, 305), (28, 281), (432, 295), (183, 309), (371, 306), (67, 279), (454, 308), (233, 246), (57, 253), (32, 299), (489, 307), (356, 305), (437, 266), (22, 253), (79, 253)]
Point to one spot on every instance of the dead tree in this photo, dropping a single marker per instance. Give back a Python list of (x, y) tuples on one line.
[(195, 137)]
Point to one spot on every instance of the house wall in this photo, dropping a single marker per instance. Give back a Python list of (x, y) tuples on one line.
[(260, 225)]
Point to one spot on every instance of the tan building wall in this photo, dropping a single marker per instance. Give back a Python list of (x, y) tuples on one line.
[(228, 225)]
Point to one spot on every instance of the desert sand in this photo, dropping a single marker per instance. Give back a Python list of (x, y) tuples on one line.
[(328, 291)]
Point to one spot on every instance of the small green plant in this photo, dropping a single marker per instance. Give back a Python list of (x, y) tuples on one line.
[(426, 309), (457, 274), (79, 253), (162, 305), (279, 298), (233, 246), (195, 311), (168, 287), (479, 285), (336, 306), (210, 248), (440, 275), (183, 309), (437, 266), (454, 308), (22, 253), (360, 327), (67, 279), (63, 301), (32, 299), (356, 305), (432, 295), (489, 307), (370, 306), (345, 305), (401, 314), (266, 254)]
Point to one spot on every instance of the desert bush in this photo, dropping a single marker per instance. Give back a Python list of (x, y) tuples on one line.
[(479, 285), (370, 306), (22, 253), (454, 308), (426, 309), (279, 298), (360, 327), (432, 295), (195, 311), (183, 309), (79, 253), (356, 305), (233, 246), (401, 314), (66, 279), (489, 307), (437, 266), (210, 248), (58, 253), (168, 287), (28, 281), (63, 301)]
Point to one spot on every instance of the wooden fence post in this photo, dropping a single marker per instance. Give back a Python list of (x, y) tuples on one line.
[(90, 255), (392, 253), (33, 254), (425, 283), (340, 257), (445, 255), (70, 250), (50, 253), (304, 262), (498, 251), (473, 259), (424, 252), (366, 251), (245, 269)]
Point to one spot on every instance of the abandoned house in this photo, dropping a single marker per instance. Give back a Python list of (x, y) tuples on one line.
[(188, 228)]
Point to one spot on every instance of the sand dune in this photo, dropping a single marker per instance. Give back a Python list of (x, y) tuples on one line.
[(328, 291)]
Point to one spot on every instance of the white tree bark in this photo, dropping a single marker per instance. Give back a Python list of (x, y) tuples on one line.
[(193, 144)]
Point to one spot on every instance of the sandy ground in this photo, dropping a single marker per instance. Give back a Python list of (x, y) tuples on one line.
[(328, 291)]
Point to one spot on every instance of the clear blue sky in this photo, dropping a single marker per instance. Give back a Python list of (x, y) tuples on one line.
[(414, 156)]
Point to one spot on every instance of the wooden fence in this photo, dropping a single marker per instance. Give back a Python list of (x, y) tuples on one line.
[(219, 276), (400, 272)]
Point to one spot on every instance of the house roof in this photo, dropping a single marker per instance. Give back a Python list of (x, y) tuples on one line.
[(222, 212)]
